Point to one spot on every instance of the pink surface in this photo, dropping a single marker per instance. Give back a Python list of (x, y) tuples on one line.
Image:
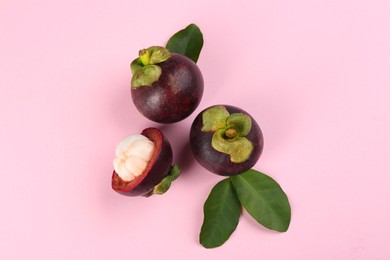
[(315, 75)]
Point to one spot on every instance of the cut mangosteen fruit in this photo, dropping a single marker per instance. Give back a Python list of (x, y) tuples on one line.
[(226, 140), (143, 164), (166, 87)]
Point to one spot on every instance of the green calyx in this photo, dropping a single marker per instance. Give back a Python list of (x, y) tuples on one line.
[(165, 183), (229, 132), (145, 69)]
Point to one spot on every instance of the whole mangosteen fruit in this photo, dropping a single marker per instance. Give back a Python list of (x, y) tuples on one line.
[(166, 87), (226, 140), (143, 164)]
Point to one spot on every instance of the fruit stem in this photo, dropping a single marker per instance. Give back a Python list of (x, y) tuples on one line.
[(144, 56), (231, 133)]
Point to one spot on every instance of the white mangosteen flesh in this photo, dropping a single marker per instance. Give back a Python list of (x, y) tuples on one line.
[(132, 155)]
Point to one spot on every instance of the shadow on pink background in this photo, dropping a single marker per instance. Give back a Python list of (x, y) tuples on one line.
[(314, 74)]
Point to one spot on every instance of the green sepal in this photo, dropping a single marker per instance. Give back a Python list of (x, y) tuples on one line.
[(214, 118), (145, 76), (145, 69), (136, 65), (239, 148), (241, 122), (158, 54), (165, 183)]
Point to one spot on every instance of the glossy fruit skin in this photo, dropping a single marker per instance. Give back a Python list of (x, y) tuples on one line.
[(175, 95), (217, 162), (157, 169)]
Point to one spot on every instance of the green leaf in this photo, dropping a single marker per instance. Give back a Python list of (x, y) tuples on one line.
[(214, 118), (222, 211), (264, 199), (188, 42)]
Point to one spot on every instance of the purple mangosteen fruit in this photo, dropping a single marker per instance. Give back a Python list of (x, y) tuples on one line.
[(226, 140), (166, 87), (143, 164)]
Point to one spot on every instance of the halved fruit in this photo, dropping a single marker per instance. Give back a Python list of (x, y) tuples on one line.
[(152, 167)]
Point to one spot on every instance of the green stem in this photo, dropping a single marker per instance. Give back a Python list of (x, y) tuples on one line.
[(231, 133), (144, 56)]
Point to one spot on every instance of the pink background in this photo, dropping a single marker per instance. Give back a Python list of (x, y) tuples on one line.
[(314, 74)]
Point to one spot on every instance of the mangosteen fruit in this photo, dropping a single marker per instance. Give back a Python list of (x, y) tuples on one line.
[(143, 164), (165, 87), (226, 140)]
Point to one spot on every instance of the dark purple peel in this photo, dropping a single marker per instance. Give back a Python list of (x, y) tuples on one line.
[(217, 162), (157, 169), (175, 95)]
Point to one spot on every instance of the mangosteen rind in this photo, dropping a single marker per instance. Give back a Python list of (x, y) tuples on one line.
[(229, 132), (158, 167), (215, 161), (175, 95)]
